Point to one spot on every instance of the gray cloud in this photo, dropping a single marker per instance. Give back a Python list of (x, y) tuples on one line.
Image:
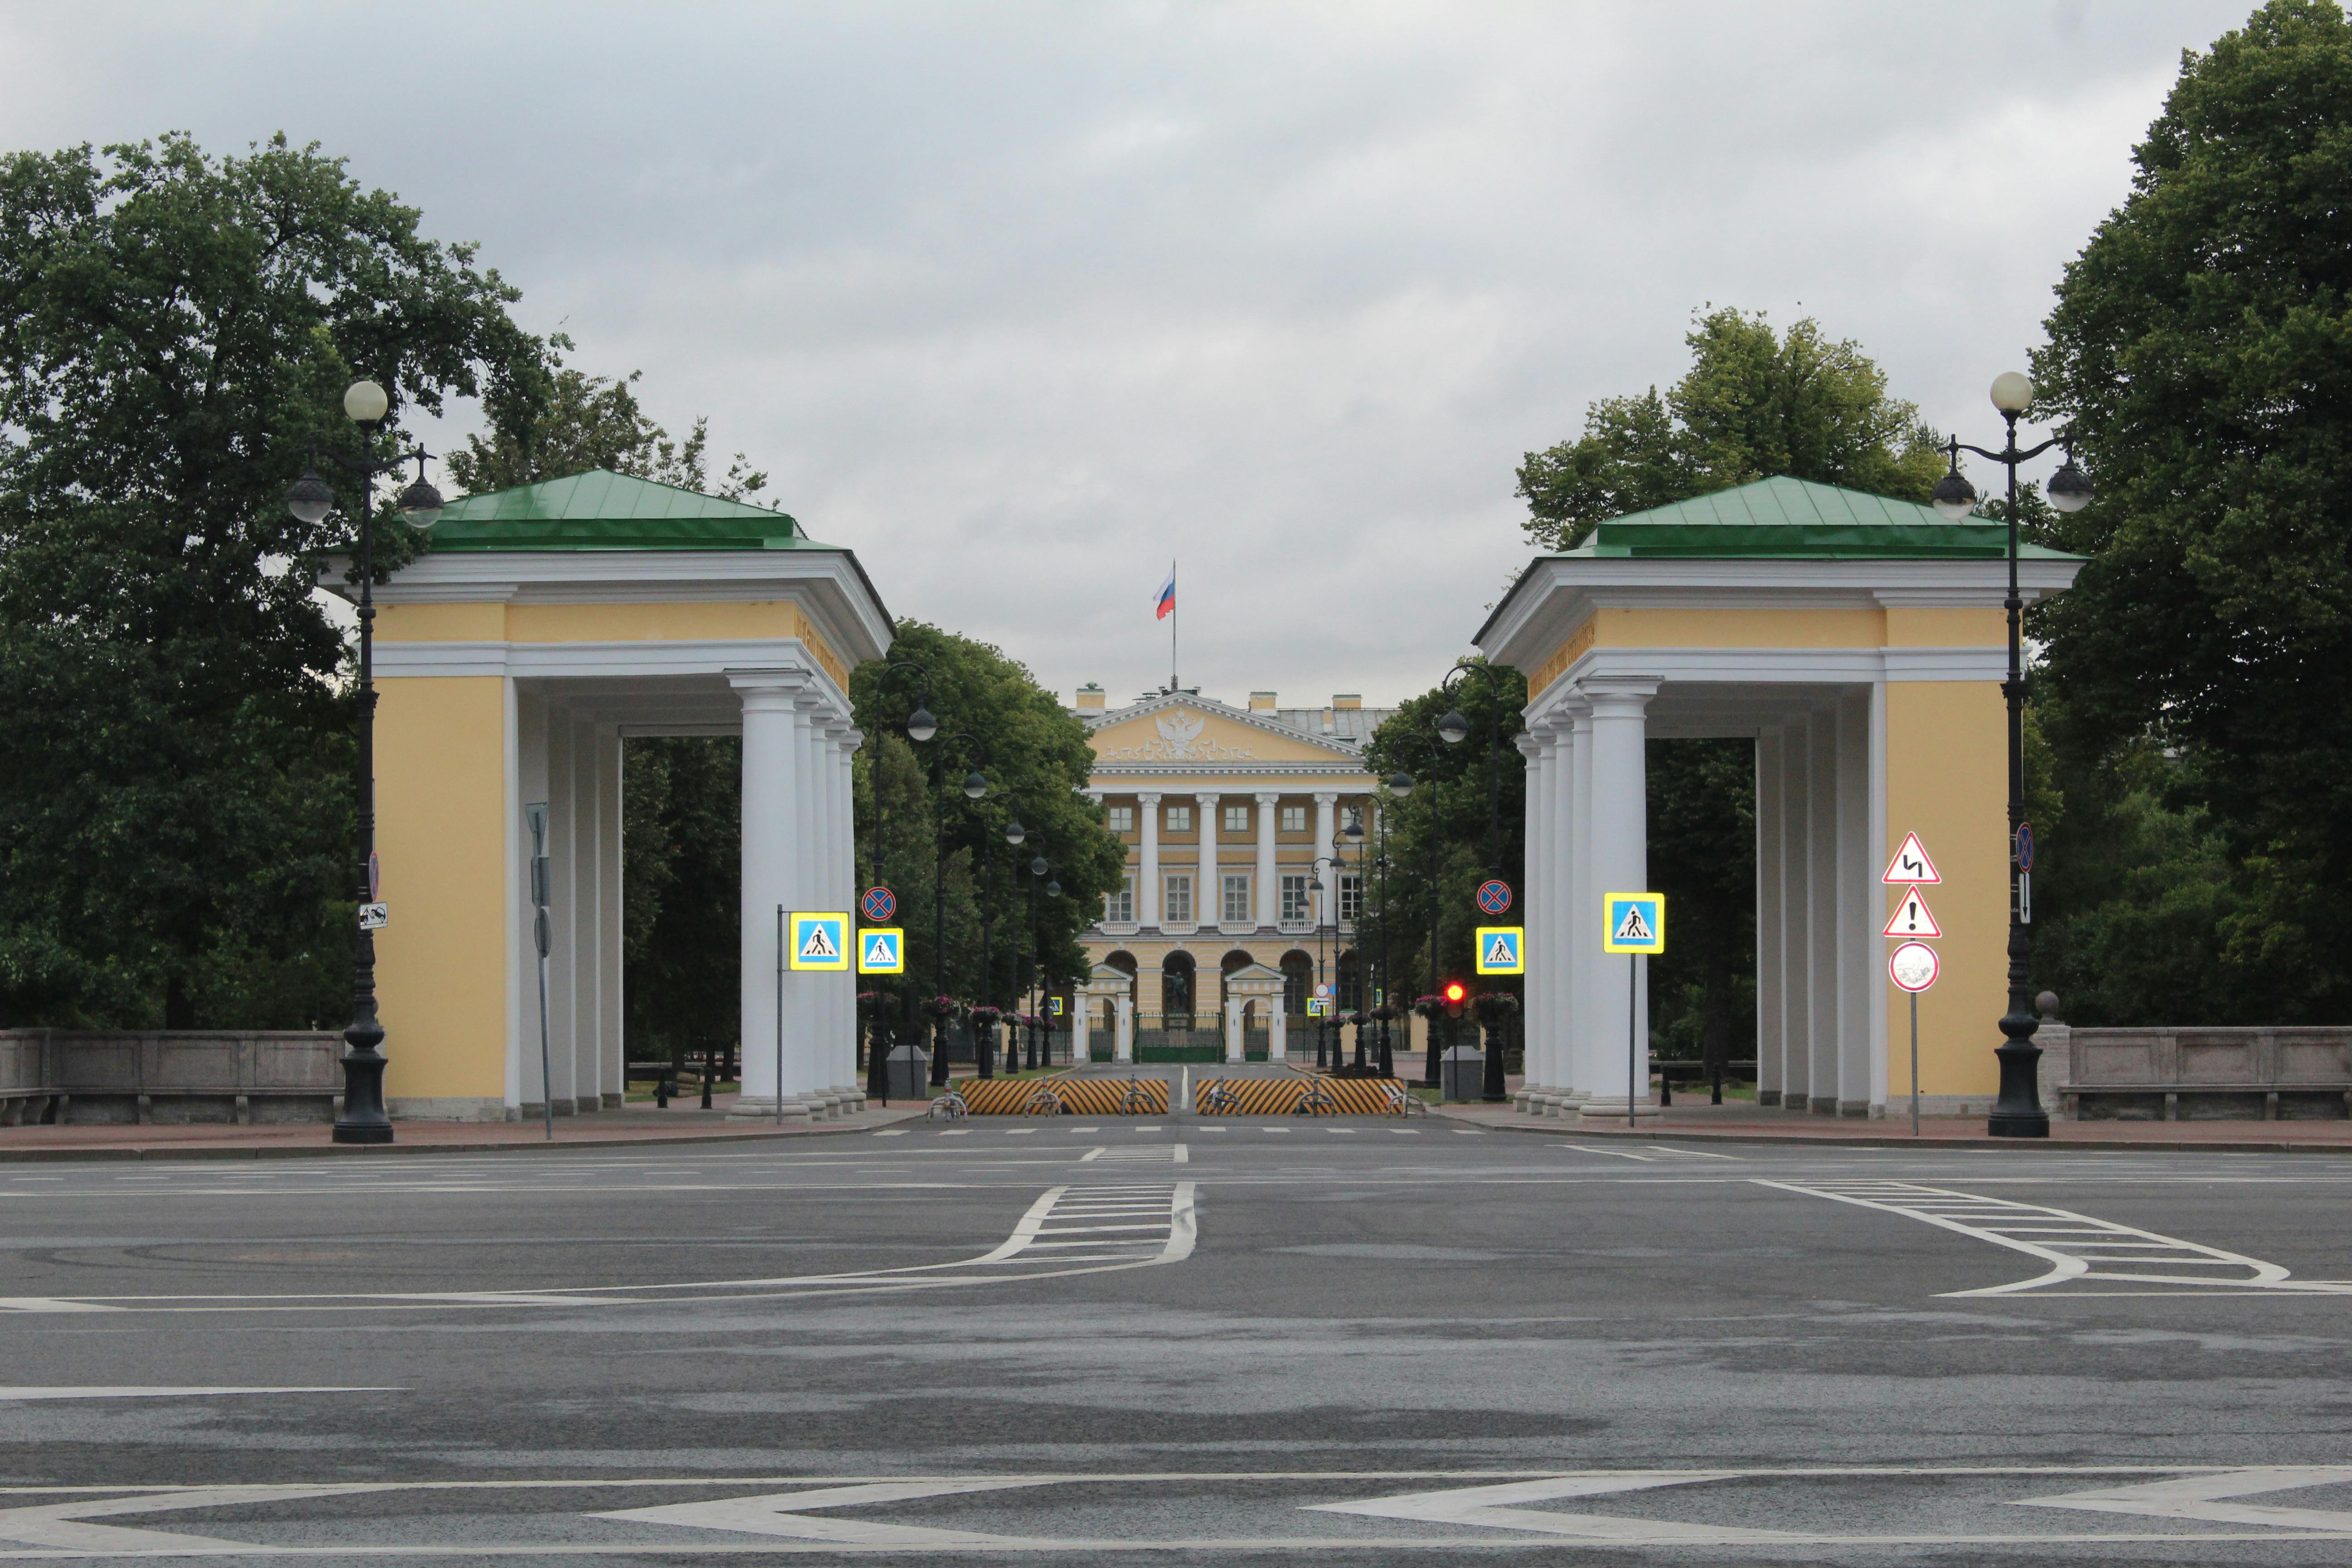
[(1021, 301)]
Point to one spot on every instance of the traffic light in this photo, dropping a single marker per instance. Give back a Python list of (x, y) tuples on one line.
[(1455, 992)]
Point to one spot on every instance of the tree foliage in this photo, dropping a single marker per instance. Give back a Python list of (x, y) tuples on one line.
[(2199, 674), (1753, 405), (175, 331), (682, 895), (994, 719), (595, 422)]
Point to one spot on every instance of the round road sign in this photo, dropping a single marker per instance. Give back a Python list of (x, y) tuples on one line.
[(2025, 846), (1493, 896), (878, 904), (1912, 966)]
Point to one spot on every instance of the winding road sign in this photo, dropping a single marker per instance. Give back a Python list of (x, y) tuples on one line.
[(1910, 865)]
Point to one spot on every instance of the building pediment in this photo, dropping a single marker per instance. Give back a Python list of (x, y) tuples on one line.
[(1190, 731)]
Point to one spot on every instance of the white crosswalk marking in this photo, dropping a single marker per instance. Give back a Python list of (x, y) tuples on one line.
[(2079, 1249)]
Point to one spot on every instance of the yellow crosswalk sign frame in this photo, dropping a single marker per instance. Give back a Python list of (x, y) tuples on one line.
[(898, 948), (1633, 923), (820, 942), (1516, 963)]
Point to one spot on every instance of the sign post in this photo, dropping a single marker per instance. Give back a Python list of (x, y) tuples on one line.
[(1913, 964), (1633, 924), (536, 815)]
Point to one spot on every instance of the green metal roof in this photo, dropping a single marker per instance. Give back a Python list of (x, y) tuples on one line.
[(1798, 520), (601, 509)]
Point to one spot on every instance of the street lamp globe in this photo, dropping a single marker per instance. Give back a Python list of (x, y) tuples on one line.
[(2012, 391), (1399, 784), (2069, 489), (1014, 832), (975, 786), (1453, 729), (1053, 890), (921, 725), (365, 401), (420, 504), (1953, 496), (1038, 867), (310, 499)]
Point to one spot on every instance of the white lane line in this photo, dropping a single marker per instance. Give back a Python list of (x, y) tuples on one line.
[(136, 1391), (1697, 1153), (1468, 1132), (1169, 1203), (2079, 1248), (1612, 1153), (1019, 1132), (2200, 1497), (892, 1132), (957, 1133)]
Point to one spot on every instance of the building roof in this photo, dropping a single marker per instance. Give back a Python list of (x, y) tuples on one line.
[(601, 509), (1789, 519)]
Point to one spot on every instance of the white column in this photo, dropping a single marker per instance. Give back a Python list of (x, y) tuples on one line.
[(530, 719), (1535, 989), (1233, 1028), (1858, 939), (587, 940), (1584, 922), (1269, 883), (1276, 1029), (1771, 1031), (1620, 863), (1122, 1048), (1208, 893), (1821, 922), (1796, 915), (610, 999), (563, 913), (1327, 905), (770, 863), (1082, 1021), (1147, 884)]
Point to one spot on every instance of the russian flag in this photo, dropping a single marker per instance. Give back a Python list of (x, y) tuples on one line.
[(1167, 597)]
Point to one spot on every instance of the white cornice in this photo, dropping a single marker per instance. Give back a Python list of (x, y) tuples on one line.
[(1223, 710), (604, 661)]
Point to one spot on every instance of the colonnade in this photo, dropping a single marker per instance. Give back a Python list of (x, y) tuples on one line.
[(1208, 891)]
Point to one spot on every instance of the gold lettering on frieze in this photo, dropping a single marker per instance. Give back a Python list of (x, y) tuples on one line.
[(1568, 653)]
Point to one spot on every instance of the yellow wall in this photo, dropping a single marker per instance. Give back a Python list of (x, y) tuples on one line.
[(1947, 780), (1859, 625), (671, 622), (441, 831), (1908, 628)]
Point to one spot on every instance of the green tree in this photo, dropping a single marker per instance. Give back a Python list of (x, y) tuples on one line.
[(682, 895), (177, 835), (2201, 357), (1702, 819), (1035, 758), (587, 422), (1753, 405)]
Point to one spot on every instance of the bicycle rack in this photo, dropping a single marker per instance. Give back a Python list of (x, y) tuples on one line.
[(949, 1105), (1045, 1102)]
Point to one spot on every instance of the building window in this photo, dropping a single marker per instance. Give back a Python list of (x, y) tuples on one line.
[(1119, 907), (1294, 819), (1179, 819), (1237, 819), (1293, 899), (1121, 819), (1177, 911), (1351, 895), (1237, 899)]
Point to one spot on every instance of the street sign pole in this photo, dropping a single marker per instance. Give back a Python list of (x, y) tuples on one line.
[(1915, 1064), (780, 1015), (1633, 994)]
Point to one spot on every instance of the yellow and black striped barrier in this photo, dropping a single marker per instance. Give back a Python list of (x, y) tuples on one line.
[(1300, 1096), (1066, 1097)]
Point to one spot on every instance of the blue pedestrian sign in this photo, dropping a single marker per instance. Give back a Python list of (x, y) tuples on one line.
[(882, 950), (820, 941), (1502, 950), (1633, 923)]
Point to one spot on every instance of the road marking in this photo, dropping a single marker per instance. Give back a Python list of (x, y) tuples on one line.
[(140, 1392), (2199, 1497), (957, 1133), (1406, 1131), (1168, 1205), (2077, 1246), (1019, 1132), (58, 1525), (1696, 1154), (1490, 1506), (1612, 1153), (778, 1513), (893, 1132), (1468, 1132), (1143, 1154)]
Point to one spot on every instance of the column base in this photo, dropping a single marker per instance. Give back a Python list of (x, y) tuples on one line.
[(1567, 1104), (1614, 1110), (797, 1112)]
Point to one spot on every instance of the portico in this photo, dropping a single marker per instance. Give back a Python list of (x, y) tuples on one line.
[(1860, 643), (545, 626)]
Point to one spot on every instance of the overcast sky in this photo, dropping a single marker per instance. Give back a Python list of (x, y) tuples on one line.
[(1021, 302)]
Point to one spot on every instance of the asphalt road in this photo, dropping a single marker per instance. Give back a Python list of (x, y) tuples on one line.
[(1235, 1342)]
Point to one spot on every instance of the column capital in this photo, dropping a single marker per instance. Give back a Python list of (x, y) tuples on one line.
[(1326, 797), (1147, 797), (1529, 746), (790, 677), (1267, 797), (1620, 696), (850, 739), (1208, 797)]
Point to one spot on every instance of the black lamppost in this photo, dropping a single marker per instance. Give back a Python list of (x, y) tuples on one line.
[(1032, 967), (2018, 1112), (975, 786), (363, 1118), (920, 726), (1323, 1013), (1453, 729), (983, 1048), (1351, 836)]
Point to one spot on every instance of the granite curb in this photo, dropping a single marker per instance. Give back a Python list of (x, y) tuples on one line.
[(1808, 1139)]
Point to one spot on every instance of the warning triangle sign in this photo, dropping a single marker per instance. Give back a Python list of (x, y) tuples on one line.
[(1910, 865), (1634, 927), (1912, 917), (817, 944)]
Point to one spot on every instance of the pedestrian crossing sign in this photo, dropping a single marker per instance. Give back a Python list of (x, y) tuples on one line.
[(882, 950), (1633, 923), (1502, 950), (820, 941)]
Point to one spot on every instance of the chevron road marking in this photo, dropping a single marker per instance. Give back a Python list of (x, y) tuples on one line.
[(2077, 1246), (1491, 1506), (779, 1513), (2199, 1497), (1163, 1211), (58, 1525)]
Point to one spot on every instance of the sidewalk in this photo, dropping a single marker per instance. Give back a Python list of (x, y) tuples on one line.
[(1748, 1124), (634, 1126)]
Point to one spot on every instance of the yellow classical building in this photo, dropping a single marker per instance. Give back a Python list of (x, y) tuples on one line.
[(1232, 816)]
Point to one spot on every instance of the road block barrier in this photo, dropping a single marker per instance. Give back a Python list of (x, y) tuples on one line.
[(1066, 1097), (1301, 1097)]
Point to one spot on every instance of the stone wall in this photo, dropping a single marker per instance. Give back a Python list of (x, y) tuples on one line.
[(2196, 1074), (177, 1076)]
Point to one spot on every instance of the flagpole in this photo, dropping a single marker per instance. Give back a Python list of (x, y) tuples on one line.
[(1172, 686)]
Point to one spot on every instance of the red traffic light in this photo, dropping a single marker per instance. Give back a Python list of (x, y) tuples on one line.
[(1456, 991)]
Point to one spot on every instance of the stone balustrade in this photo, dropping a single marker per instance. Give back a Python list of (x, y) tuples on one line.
[(173, 1076)]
